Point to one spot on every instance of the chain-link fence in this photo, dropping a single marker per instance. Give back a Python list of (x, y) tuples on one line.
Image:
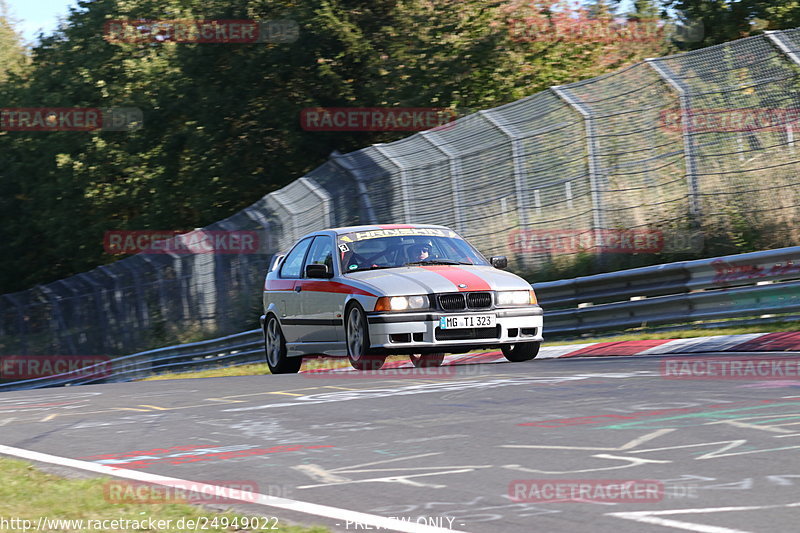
[(701, 139)]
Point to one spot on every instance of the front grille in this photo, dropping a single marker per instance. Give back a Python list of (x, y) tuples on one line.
[(464, 334), (452, 302), (477, 300), (460, 301)]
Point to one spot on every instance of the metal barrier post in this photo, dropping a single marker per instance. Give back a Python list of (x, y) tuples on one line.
[(363, 193), (404, 184), (688, 139), (777, 38), (455, 175), (519, 165), (323, 196), (598, 218)]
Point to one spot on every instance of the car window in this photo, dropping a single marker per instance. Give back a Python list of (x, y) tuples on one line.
[(396, 248), (321, 252), (293, 264)]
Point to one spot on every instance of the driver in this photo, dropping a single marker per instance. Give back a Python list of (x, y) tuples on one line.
[(419, 252)]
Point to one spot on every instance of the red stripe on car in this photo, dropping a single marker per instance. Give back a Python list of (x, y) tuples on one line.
[(331, 286), (458, 276)]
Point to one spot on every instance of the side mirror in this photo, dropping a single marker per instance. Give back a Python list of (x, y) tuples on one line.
[(318, 271), (499, 261)]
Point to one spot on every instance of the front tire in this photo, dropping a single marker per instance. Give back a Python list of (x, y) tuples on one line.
[(357, 335), (275, 350), (427, 360), (523, 351)]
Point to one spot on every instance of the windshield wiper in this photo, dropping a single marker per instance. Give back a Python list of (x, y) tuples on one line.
[(436, 262)]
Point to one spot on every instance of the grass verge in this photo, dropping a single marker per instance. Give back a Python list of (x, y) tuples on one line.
[(258, 369), (27, 493)]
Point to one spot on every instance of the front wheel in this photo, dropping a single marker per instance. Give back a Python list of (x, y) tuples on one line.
[(275, 350), (427, 360), (523, 351), (357, 336)]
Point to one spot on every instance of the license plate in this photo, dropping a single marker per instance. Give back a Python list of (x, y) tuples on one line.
[(467, 321)]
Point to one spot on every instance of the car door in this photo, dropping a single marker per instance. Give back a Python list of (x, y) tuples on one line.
[(288, 300), (320, 299)]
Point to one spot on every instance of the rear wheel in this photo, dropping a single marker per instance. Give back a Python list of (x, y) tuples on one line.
[(357, 336), (427, 360), (275, 350), (523, 351)]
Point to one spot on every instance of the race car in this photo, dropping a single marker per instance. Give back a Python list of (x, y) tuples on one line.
[(366, 292)]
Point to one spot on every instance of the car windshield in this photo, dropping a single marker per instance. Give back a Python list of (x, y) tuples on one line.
[(392, 248)]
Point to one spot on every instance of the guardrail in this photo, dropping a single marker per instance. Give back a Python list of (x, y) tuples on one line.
[(758, 284), (232, 350), (730, 287)]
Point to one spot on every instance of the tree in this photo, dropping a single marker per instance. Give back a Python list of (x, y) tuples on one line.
[(721, 20), (645, 10), (12, 48)]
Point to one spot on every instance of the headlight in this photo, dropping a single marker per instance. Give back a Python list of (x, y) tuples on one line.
[(515, 298), (402, 303)]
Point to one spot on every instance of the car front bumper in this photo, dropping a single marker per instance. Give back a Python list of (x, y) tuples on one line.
[(420, 332)]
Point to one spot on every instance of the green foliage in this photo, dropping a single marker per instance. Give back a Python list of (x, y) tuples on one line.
[(13, 53), (726, 20)]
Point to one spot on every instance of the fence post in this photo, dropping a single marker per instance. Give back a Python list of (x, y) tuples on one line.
[(118, 308), (266, 237), (688, 139), (519, 165), (100, 316), (140, 308), (455, 175), (405, 186), (776, 37), (363, 194), (598, 216), (60, 333), (323, 196), (278, 198), (22, 326)]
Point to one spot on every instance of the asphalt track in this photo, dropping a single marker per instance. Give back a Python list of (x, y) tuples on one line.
[(454, 447)]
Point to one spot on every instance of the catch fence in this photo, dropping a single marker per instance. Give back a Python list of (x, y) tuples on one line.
[(669, 145)]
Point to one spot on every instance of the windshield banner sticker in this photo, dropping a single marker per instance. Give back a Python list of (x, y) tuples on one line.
[(401, 232)]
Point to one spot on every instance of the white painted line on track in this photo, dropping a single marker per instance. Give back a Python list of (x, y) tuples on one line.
[(353, 517), (652, 517)]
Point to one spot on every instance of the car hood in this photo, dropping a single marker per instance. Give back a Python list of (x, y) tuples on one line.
[(437, 279)]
